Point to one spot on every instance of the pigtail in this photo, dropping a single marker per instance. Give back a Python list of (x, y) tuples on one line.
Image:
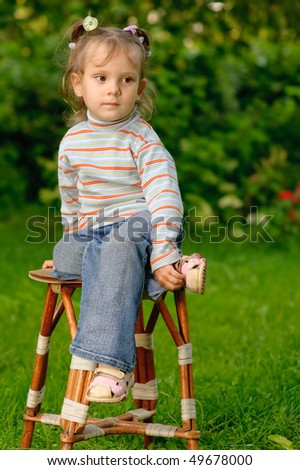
[(77, 31), (141, 35), (81, 27), (144, 39)]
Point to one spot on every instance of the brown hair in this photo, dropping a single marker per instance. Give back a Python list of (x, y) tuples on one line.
[(114, 39)]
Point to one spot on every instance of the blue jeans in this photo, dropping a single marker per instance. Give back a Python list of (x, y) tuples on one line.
[(113, 262)]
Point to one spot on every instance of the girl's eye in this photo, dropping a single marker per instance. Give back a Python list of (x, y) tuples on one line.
[(101, 78), (127, 79)]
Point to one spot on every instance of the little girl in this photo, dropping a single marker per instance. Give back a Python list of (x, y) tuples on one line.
[(120, 202)]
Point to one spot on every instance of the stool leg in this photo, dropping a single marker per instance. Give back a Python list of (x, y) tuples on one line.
[(75, 408), (145, 368), (35, 395), (186, 372)]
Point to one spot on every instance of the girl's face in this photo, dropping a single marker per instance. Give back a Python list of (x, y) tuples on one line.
[(110, 88)]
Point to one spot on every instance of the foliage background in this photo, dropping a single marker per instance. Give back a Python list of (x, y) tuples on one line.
[(228, 107)]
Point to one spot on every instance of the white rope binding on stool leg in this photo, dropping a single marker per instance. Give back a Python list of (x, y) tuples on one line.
[(185, 355), (50, 419), (91, 431), (74, 411), (188, 408), (144, 340), (141, 414), (43, 345), (34, 397), (147, 391), (160, 430), (79, 363)]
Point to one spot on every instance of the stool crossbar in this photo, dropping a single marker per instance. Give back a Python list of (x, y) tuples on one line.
[(74, 417)]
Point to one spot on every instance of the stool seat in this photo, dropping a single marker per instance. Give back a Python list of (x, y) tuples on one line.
[(44, 275), (74, 416)]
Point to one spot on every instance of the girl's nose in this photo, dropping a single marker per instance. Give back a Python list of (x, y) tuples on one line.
[(114, 89)]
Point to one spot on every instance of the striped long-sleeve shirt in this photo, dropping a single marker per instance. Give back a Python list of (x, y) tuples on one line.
[(110, 171)]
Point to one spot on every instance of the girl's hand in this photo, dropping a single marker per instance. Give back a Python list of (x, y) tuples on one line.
[(169, 278), (48, 263)]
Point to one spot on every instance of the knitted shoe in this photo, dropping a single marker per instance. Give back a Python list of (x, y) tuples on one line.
[(194, 270)]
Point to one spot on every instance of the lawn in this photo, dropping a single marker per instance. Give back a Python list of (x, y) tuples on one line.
[(244, 331)]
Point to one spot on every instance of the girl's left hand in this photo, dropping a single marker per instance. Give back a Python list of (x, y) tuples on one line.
[(48, 263), (169, 278)]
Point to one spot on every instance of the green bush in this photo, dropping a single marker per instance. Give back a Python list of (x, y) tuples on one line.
[(228, 104)]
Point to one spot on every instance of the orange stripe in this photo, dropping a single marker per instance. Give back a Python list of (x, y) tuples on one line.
[(146, 123), (156, 161), (68, 187), (164, 191), (161, 242), (166, 207), (96, 149), (90, 213), (84, 214), (71, 201), (108, 197), (83, 131), (138, 136), (78, 227), (164, 225), (151, 144), (99, 167), (87, 183), (162, 256), (155, 177), (126, 214)]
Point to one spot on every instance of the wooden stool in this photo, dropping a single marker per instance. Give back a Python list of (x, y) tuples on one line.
[(74, 421)]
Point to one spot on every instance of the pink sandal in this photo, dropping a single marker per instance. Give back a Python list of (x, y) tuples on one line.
[(109, 385), (194, 270)]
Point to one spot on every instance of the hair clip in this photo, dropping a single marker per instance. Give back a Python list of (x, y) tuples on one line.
[(131, 28), (72, 45), (90, 23)]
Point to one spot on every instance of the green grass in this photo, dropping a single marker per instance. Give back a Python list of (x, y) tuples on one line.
[(245, 335)]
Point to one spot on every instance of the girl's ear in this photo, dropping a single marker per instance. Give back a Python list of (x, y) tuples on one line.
[(76, 83), (142, 86)]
